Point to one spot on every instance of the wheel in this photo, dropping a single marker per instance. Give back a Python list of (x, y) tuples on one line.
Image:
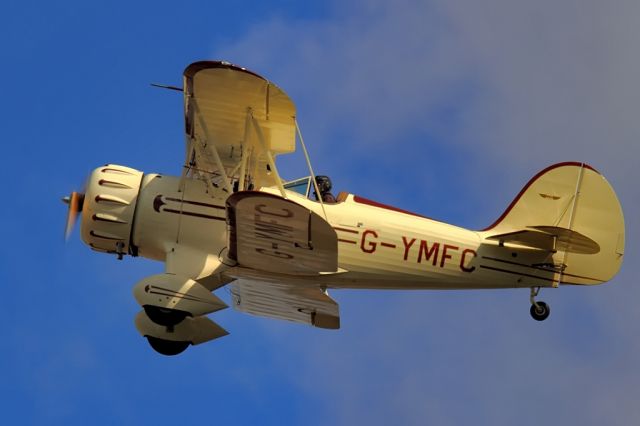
[(540, 312), (165, 316), (167, 347)]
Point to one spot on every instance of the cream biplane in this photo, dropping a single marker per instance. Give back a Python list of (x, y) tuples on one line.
[(230, 220)]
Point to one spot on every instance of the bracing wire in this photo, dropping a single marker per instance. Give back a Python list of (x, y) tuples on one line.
[(313, 178)]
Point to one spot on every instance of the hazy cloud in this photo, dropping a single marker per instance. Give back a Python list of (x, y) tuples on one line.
[(485, 90), (500, 86)]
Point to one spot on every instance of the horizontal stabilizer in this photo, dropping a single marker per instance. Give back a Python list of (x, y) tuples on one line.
[(550, 238), (194, 330), (269, 233), (288, 301)]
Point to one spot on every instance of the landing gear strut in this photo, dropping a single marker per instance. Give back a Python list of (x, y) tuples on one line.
[(539, 310)]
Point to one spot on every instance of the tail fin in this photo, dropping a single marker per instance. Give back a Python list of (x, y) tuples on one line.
[(570, 210)]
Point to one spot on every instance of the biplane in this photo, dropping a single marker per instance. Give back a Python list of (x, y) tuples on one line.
[(280, 246)]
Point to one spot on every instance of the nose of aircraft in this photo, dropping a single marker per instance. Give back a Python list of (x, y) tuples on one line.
[(108, 209)]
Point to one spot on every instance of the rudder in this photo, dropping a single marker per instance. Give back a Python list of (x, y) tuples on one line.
[(573, 206)]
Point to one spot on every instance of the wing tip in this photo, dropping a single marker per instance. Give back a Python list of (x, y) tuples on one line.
[(195, 67)]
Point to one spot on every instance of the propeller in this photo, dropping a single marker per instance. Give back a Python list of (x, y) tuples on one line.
[(75, 201)]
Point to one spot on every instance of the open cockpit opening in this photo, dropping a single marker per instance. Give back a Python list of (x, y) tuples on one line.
[(305, 187)]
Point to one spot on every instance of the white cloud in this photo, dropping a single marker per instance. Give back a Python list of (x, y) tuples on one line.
[(503, 89), (560, 75)]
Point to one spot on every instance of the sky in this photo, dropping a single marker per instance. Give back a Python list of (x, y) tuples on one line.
[(443, 107)]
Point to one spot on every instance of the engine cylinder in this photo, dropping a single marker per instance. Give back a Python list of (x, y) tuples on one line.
[(109, 207)]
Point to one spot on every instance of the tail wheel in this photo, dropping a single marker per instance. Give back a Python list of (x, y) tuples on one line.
[(540, 311), (167, 347)]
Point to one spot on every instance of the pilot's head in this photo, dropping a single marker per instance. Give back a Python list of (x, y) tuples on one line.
[(324, 183)]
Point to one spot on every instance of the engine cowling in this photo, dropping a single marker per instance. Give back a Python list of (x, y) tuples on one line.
[(109, 208)]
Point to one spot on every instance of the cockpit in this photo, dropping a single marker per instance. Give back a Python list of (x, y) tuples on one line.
[(301, 186), (306, 188)]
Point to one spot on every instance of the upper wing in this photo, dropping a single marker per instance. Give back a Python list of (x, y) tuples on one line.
[(236, 122), (286, 300)]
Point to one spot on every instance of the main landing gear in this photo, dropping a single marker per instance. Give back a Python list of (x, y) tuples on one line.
[(168, 319), (539, 310), (167, 347), (164, 316)]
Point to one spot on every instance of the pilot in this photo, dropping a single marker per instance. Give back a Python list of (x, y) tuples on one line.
[(324, 185)]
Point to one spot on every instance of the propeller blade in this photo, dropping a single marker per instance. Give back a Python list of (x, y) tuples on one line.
[(75, 201)]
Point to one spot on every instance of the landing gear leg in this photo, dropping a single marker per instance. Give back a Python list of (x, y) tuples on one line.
[(539, 310)]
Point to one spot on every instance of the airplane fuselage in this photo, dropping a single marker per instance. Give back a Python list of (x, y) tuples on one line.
[(379, 247)]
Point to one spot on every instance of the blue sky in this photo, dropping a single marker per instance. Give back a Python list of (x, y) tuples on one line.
[(442, 107)]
